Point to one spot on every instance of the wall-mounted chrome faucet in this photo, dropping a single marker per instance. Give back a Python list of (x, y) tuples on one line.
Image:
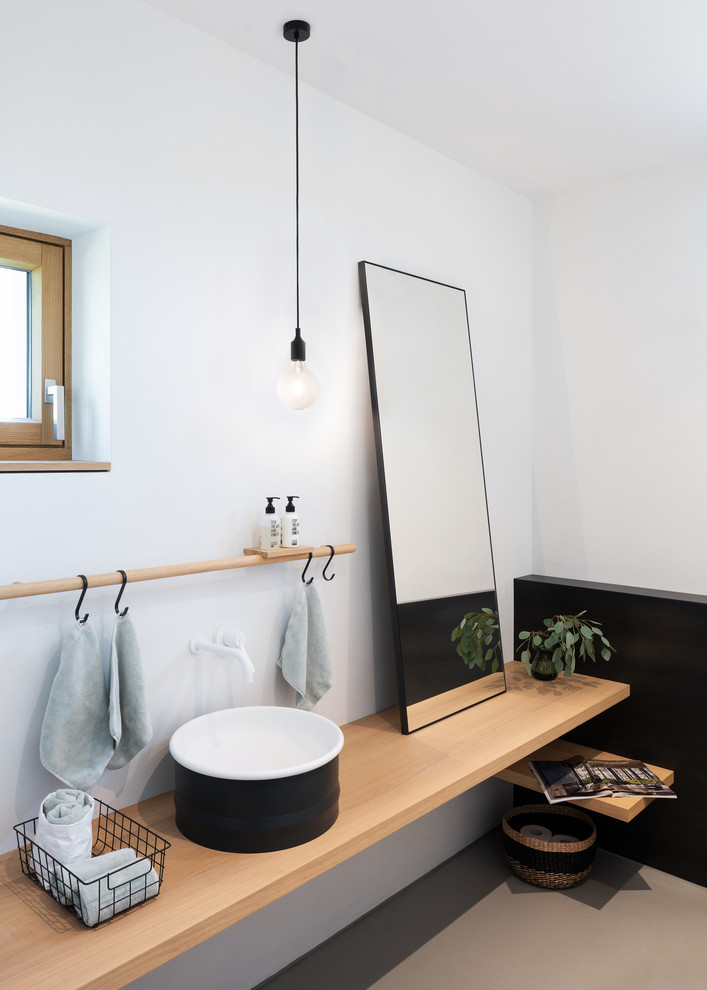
[(229, 641)]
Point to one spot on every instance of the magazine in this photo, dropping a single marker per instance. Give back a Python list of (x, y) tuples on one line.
[(575, 779)]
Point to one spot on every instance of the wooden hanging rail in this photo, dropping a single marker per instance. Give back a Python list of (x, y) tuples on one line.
[(21, 589)]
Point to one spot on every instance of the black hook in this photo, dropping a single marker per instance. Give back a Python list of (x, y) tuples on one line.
[(309, 561), (331, 557), (120, 595), (78, 607)]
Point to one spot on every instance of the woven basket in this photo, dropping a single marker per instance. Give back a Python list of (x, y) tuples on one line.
[(543, 862)]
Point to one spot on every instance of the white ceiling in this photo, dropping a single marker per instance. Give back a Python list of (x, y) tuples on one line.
[(542, 95)]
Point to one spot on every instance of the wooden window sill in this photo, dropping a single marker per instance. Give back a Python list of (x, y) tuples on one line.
[(10, 467), (387, 781)]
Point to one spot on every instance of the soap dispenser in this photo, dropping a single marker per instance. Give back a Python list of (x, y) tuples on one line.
[(290, 524), (270, 526)]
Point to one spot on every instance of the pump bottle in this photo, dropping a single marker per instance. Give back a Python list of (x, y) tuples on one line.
[(290, 524), (270, 526)]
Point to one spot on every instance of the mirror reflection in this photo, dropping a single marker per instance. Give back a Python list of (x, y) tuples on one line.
[(430, 470)]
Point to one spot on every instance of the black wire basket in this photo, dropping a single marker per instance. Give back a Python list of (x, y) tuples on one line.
[(111, 893)]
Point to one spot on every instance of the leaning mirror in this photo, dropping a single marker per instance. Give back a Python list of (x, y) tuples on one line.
[(431, 480)]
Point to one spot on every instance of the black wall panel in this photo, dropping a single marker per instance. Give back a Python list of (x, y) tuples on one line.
[(661, 651)]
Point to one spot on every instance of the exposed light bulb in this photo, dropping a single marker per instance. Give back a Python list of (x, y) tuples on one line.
[(297, 388)]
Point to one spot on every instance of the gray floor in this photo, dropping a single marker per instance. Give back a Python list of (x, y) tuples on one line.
[(472, 925)]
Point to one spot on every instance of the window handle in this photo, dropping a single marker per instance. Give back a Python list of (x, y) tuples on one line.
[(55, 394)]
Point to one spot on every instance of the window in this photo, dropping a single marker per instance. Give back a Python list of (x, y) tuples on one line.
[(35, 346)]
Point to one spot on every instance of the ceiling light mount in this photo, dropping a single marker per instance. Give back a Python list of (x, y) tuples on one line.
[(296, 30)]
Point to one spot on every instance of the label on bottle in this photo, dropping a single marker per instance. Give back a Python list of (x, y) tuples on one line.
[(270, 535), (290, 531)]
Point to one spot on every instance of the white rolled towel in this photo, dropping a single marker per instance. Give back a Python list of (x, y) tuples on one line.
[(63, 832)]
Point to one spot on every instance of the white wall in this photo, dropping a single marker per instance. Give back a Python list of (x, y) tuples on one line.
[(620, 404), (182, 147)]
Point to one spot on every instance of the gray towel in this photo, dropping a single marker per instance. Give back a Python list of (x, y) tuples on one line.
[(304, 660), (129, 719), (96, 895), (100, 896), (76, 743)]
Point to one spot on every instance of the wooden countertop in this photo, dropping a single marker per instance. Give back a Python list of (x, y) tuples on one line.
[(387, 781)]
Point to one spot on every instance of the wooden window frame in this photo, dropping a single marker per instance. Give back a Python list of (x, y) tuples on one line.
[(50, 256)]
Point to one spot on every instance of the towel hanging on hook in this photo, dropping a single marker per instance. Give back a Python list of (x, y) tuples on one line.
[(75, 743), (305, 660), (81, 621), (120, 595), (129, 718)]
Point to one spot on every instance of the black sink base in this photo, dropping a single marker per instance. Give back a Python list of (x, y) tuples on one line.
[(249, 816)]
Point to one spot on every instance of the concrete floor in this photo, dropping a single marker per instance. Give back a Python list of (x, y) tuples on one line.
[(472, 925)]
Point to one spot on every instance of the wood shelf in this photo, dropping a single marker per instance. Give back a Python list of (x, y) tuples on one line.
[(15, 467), (623, 809), (387, 781), (278, 553)]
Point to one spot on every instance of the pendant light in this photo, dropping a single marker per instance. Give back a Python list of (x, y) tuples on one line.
[(297, 388)]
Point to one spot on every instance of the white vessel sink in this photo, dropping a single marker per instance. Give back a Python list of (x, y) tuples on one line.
[(256, 743), (256, 779)]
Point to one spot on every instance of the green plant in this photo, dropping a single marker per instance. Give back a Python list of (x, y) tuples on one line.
[(477, 639), (565, 639)]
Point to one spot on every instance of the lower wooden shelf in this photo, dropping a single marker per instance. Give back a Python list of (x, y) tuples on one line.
[(387, 781), (624, 809)]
